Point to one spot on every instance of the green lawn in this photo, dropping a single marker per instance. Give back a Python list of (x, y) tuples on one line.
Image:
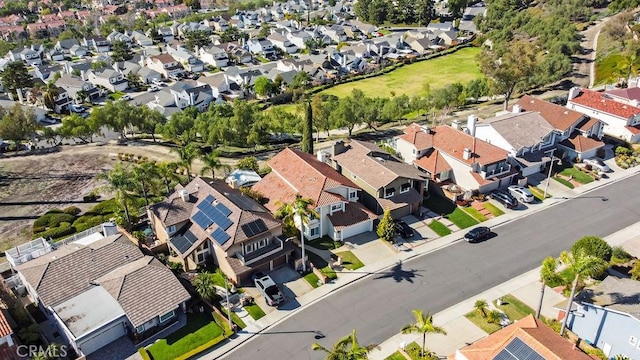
[(199, 330), (514, 308), (579, 176), (563, 182), (350, 260), (537, 193), (414, 350), (460, 66), (607, 68), (480, 322), (234, 318), (321, 264), (439, 228), (461, 219), (439, 205), (396, 356), (495, 211), (255, 311), (474, 213), (324, 243)]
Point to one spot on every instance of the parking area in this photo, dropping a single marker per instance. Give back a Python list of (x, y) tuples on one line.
[(290, 283)]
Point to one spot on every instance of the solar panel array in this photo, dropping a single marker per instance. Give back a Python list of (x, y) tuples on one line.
[(210, 214), (518, 350), (183, 242), (254, 228), (220, 236)]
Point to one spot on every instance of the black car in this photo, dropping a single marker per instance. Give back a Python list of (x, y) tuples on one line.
[(478, 234), (505, 199), (403, 229)]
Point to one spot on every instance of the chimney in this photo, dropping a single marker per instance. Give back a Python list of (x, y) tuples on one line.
[(516, 109), (184, 194), (466, 153), (338, 148), (323, 156), (109, 228), (573, 93), (471, 124), (455, 124)]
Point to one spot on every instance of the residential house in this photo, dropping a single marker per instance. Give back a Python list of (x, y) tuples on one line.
[(262, 47), (140, 38), (165, 33), (242, 178), (334, 196), (214, 56), (334, 32), (165, 64), (207, 219), (147, 76), (98, 44), (77, 89), (621, 118), (299, 38), (78, 68), (46, 72), (78, 51), (61, 100), (281, 42), (66, 44), (108, 78), (186, 57), (452, 157), (118, 36), (578, 136), (162, 101), (222, 87), (188, 93), (387, 182), (54, 55), (607, 315), (237, 54), (217, 23), (527, 338), (13, 32), (30, 55), (98, 288), (8, 343)]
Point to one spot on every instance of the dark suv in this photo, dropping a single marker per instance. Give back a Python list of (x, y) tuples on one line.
[(403, 229), (505, 199), (478, 234)]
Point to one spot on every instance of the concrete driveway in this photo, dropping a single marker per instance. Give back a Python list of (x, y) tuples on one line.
[(421, 230), (367, 247), (291, 284)]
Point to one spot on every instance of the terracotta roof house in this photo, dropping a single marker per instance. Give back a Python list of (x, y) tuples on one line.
[(388, 182), (334, 196), (207, 219), (527, 338), (98, 288), (607, 315), (8, 346), (450, 156), (621, 117)]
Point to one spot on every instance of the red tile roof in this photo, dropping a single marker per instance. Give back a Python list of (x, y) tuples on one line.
[(416, 135), (581, 143), (633, 129), (354, 213), (587, 124), (163, 58), (296, 172), (433, 162), (546, 342), (453, 142), (558, 116), (600, 102), (632, 93), (5, 328)]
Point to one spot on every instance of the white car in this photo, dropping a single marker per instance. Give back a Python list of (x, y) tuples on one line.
[(157, 82), (153, 88), (268, 288), (521, 193), (597, 164), (125, 97)]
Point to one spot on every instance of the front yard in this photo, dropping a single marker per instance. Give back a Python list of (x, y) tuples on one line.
[(448, 209)]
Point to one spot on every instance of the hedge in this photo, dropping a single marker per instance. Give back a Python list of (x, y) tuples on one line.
[(53, 219), (64, 229)]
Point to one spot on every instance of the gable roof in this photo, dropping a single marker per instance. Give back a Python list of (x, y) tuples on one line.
[(296, 172), (533, 333), (630, 93), (5, 328), (614, 293), (558, 116), (602, 102), (453, 142), (581, 143), (521, 130), (418, 136), (433, 162)]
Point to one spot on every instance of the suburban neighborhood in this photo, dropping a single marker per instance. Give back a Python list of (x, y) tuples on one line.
[(325, 179)]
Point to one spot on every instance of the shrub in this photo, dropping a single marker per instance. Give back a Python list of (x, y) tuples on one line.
[(52, 219), (73, 210), (64, 229), (88, 221), (592, 245), (621, 254), (622, 150)]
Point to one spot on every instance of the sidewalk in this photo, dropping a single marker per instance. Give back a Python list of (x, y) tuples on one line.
[(451, 318)]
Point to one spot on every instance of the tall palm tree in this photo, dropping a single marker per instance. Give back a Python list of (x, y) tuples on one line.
[(119, 180), (346, 348), (205, 286), (548, 275), (187, 155), (167, 170), (49, 95), (494, 317), (299, 210), (481, 307), (143, 175), (211, 163), (423, 325), (584, 266)]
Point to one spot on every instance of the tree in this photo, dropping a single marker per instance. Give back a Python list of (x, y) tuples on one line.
[(192, 4), (423, 325), (17, 124), (211, 163), (151, 120), (197, 38), (594, 246), (635, 271), (119, 180), (120, 51), (248, 163), (204, 283), (301, 80), (181, 126), (307, 132), (187, 155), (481, 307), (494, 317), (16, 76), (265, 30), (49, 95), (167, 170), (548, 275), (298, 212), (263, 86), (75, 126), (134, 80), (344, 115), (346, 348), (477, 88), (457, 7), (584, 266), (144, 174), (386, 228)]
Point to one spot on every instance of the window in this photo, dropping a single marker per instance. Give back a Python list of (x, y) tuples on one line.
[(171, 229), (633, 340), (248, 248), (405, 187), (314, 231), (140, 328), (167, 316), (336, 207), (389, 192), (353, 195), (201, 257), (262, 243)]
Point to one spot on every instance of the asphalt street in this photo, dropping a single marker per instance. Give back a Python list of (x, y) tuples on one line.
[(379, 305)]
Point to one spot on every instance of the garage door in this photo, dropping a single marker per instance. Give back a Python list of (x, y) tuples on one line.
[(356, 229), (101, 338)]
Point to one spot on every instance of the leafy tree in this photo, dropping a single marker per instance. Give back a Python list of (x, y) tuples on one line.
[(134, 80), (258, 133), (423, 325), (263, 86), (346, 348), (99, 64), (197, 38), (344, 114), (635, 271), (49, 95), (143, 174), (204, 283), (232, 34), (167, 171), (112, 23), (307, 133), (481, 307), (193, 4), (120, 51), (386, 228), (211, 163), (120, 181), (17, 124), (494, 317), (302, 80), (181, 127), (457, 7), (6, 46), (477, 88), (299, 211), (265, 30), (321, 111), (187, 155), (248, 163), (74, 126), (16, 76), (594, 246), (151, 121)]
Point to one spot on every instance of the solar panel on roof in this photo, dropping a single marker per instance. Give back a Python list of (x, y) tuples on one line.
[(247, 230), (209, 199), (518, 350), (190, 236), (220, 236), (254, 228), (223, 209), (262, 227), (202, 220), (182, 243), (224, 223)]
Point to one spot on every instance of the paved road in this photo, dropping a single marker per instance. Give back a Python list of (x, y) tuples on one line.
[(378, 306)]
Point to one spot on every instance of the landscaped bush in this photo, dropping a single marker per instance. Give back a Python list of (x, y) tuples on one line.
[(592, 245), (620, 255), (53, 218), (58, 232), (72, 210)]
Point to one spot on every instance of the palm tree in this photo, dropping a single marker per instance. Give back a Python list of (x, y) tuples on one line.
[(119, 181), (143, 175), (205, 286), (494, 317), (167, 170), (548, 275), (346, 348), (481, 306), (300, 209), (423, 325), (49, 95), (211, 163), (187, 155), (583, 266)]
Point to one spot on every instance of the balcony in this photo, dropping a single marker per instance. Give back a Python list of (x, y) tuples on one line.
[(500, 170), (276, 246)]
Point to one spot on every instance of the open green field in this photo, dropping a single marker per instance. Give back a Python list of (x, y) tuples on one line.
[(410, 79)]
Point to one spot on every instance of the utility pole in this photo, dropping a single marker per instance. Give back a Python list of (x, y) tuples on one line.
[(546, 187)]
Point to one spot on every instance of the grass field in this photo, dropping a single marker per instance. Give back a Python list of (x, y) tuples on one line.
[(495, 211), (578, 175), (439, 228), (563, 182), (475, 214), (514, 308), (482, 323), (255, 311), (200, 328), (410, 79), (350, 260), (462, 219)]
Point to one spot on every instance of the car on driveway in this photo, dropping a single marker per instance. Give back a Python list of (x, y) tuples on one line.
[(403, 229), (521, 193), (597, 163), (478, 234), (125, 97), (505, 199), (268, 289)]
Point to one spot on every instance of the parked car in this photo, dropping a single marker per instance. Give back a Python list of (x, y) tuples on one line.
[(597, 164), (153, 88), (268, 289), (125, 97), (505, 199), (76, 108), (521, 193), (157, 82), (478, 234), (403, 229)]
